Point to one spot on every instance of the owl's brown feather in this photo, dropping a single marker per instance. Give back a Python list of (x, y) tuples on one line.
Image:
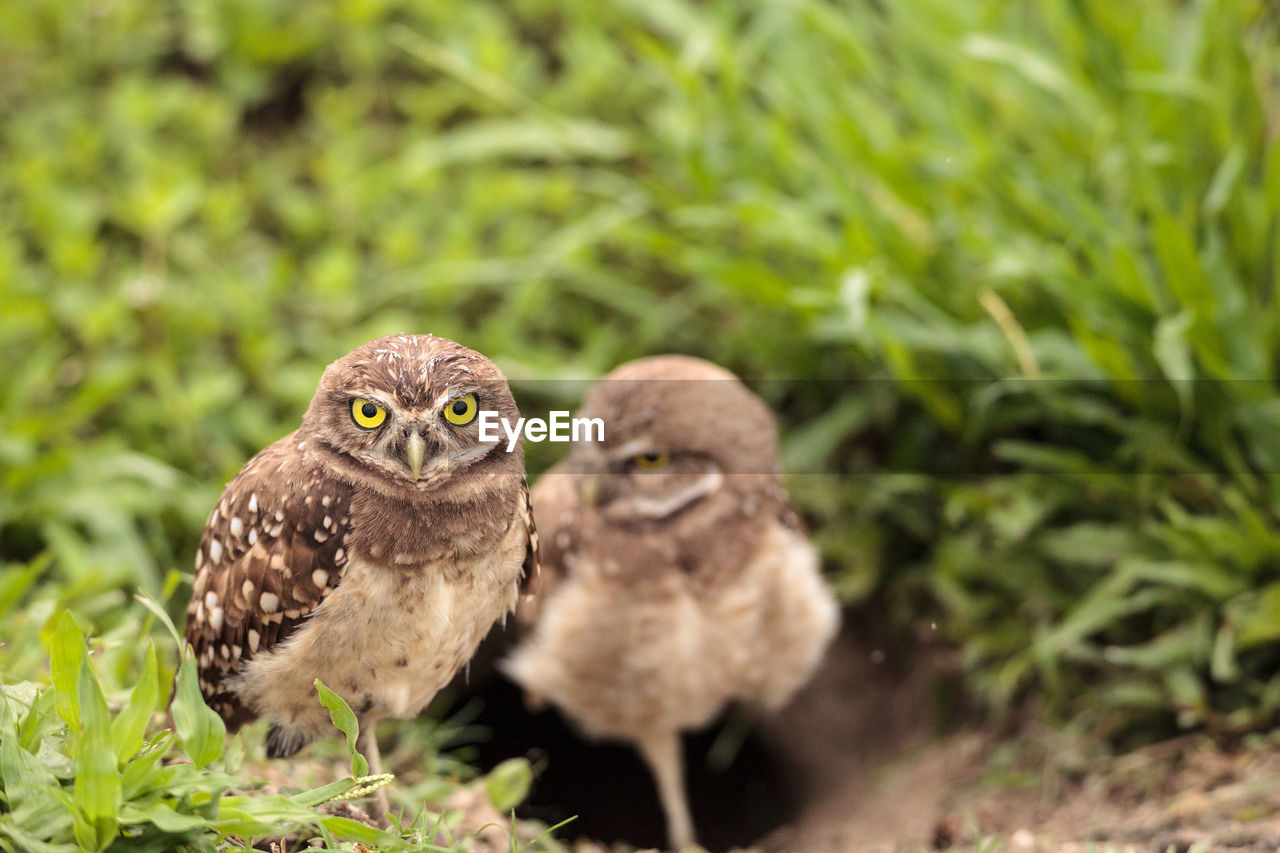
[(274, 547)]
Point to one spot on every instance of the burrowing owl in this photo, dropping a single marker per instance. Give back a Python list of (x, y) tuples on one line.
[(372, 548), (676, 577)]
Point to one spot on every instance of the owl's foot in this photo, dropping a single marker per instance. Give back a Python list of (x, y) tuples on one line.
[(283, 742)]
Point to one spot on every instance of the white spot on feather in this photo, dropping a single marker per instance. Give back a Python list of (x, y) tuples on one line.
[(270, 602), (320, 578), (215, 550)]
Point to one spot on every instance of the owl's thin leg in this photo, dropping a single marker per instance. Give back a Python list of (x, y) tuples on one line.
[(662, 752), (369, 746)]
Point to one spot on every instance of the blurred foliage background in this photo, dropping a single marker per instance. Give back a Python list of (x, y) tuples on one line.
[(1011, 269)]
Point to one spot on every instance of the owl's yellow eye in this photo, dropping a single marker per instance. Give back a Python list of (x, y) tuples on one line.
[(651, 461), (367, 414), (461, 410)]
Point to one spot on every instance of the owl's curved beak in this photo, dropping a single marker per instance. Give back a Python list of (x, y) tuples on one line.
[(589, 490), (414, 449)]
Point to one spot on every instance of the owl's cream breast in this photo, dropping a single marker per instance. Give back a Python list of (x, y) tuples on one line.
[(668, 653), (387, 639)]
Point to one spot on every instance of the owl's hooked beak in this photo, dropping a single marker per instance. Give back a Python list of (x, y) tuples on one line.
[(414, 449), (589, 490)]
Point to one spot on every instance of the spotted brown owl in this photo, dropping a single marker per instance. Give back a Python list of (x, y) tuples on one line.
[(676, 578), (372, 548)]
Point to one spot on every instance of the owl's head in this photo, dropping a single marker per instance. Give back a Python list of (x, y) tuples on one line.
[(405, 409), (678, 431)]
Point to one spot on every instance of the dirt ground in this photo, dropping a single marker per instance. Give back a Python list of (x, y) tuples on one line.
[(881, 779), (1189, 797)]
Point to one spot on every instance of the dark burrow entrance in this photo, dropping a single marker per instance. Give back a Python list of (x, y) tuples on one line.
[(608, 787)]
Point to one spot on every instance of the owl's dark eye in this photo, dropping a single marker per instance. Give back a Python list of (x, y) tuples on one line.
[(651, 461), (369, 410), (459, 407)]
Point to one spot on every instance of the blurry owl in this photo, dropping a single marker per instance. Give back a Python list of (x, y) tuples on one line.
[(676, 578)]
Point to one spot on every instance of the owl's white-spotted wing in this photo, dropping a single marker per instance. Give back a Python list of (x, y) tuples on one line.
[(532, 567), (273, 549)]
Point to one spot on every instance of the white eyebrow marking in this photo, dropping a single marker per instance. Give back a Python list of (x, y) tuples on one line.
[(372, 396), (452, 393), (632, 448)]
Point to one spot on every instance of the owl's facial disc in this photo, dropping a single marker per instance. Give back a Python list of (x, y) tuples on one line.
[(401, 415), (421, 446)]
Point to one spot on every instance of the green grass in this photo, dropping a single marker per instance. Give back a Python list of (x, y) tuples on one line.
[(79, 777), (1036, 243)]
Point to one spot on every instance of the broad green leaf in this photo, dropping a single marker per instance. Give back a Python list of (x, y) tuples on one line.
[(201, 730), (97, 784), (85, 831), (508, 784), (163, 816), (324, 793), (129, 726), (28, 841), (345, 719), (67, 655), (353, 830), (262, 813), (20, 772), (141, 773)]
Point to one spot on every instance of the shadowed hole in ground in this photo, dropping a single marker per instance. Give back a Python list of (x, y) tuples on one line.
[(858, 711), (610, 790)]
